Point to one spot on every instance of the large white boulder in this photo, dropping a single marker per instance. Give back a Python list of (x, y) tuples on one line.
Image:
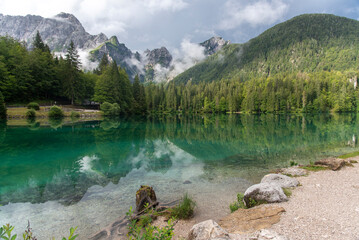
[(265, 193), (281, 180), (207, 230)]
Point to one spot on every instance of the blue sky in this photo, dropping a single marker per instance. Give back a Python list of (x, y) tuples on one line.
[(142, 24)]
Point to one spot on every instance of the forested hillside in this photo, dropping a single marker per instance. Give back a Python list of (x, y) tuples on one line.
[(307, 43), (307, 64)]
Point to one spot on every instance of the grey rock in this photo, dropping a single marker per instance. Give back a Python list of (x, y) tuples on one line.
[(294, 171), (159, 56), (281, 180), (213, 45), (56, 32), (265, 192), (187, 182), (266, 234), (207, 230)]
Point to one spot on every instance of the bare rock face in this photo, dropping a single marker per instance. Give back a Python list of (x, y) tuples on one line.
[(281, 180), (213, 45), (159, 56), (252, 219), (333, 163), (294, 171), (145, 195), (264, 192), (56, 32), (207, 230)]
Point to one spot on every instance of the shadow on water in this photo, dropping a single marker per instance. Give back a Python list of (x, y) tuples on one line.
[(62, 161)]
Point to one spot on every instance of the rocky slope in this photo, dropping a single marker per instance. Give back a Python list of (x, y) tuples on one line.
[(213, 45), (57, 32)]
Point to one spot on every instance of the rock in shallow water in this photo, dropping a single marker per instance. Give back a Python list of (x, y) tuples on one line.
[(265, 192), (281, 180)]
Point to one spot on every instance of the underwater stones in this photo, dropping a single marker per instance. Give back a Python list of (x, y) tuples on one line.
[(333, 163), (281, 180), (187, 182), (207, 230), (264, 193), (145, 195), (252, 219)]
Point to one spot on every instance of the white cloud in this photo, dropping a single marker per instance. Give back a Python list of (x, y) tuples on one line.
[(187, 56), (112, 17), (262, 12)]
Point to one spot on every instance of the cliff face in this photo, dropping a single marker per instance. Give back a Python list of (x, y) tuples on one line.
[(57, 32), (213, 45)]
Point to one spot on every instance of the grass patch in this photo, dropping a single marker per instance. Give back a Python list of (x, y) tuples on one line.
[(349, 155), (185, 209), (314, 168), (287, 192)]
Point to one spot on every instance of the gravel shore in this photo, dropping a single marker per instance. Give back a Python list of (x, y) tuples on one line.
[(325, 206)]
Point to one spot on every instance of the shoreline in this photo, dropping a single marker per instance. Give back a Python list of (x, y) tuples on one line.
[(324, 206)]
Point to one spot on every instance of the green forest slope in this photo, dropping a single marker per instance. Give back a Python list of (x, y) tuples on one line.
[(306, 43)]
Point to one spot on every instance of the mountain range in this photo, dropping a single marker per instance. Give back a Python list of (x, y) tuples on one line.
[(59, 31)]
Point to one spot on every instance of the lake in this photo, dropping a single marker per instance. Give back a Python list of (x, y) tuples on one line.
[(86, 174)]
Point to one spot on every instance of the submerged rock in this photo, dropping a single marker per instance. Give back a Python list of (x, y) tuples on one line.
[(251, 220), (207, 230), (294, 171), (333, 163), (264, 192), (281, 180)]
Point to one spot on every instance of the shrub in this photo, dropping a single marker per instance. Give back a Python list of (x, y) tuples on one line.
[(75, 114), (33, 105), (56, 112), (31, 114), (238, 204), (150, 232), (109, 109), (115, 109), (185, 209), (2, 107), (293, 163), (5, 233)]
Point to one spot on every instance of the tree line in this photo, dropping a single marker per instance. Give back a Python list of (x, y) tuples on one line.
[(37, 74)]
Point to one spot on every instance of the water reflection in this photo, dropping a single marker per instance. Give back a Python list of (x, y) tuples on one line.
[(64, 161)]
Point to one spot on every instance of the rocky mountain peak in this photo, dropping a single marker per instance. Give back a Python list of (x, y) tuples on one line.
[(214, 44), (159, 56), (68, 17)]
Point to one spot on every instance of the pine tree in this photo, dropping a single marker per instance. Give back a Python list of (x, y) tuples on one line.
[(38, 43), (72, 82)]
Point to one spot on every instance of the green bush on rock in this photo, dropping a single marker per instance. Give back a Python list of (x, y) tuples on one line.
[(56, 112), (33, 105), (109, 109)]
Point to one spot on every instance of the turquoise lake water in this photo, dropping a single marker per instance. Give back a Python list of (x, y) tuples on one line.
[(86, 174)]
